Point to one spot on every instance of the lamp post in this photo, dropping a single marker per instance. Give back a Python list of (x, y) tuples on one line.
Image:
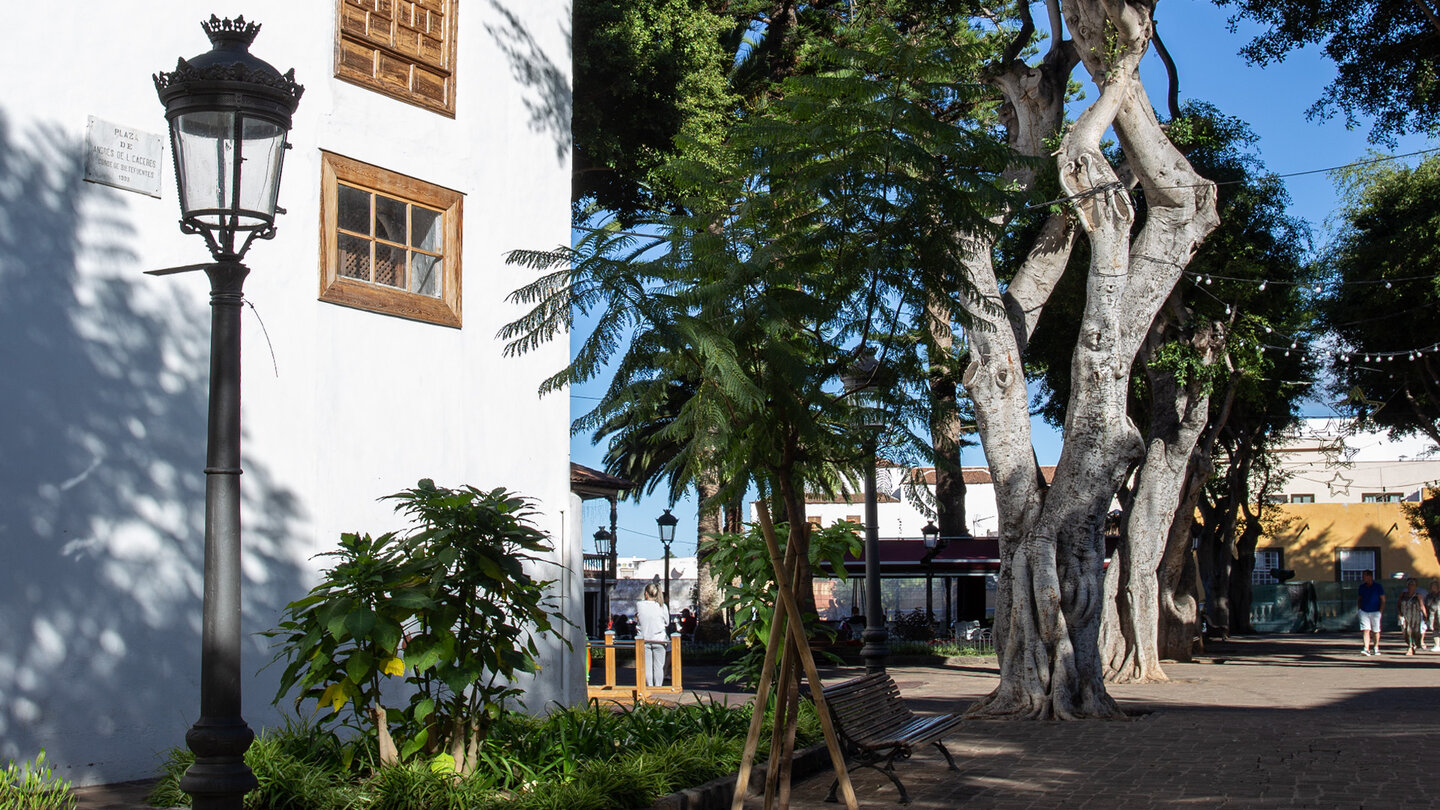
[(933, 544), (862, 380), (666, 526), (605, 547), (229, 115)]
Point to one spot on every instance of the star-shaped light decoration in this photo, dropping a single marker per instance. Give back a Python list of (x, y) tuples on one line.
[(1335, 485)]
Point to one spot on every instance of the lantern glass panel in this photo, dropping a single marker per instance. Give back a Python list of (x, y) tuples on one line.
[(228, 166)]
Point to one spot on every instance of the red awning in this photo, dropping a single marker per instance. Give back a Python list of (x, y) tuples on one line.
[(901, 557), (970, 556)]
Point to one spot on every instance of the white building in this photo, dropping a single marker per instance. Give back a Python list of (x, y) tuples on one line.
[(905, 498), (1329, 461), (354, 387)]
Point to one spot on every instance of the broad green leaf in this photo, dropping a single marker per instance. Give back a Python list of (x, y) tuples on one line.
[(360, 622), (359, 666)]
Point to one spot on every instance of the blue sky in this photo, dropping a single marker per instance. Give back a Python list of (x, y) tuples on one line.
[(1271, 100)]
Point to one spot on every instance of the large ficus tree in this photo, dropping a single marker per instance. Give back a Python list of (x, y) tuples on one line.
[(1201, 363), (1052, 536)]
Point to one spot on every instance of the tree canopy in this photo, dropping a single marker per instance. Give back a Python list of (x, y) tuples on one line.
[(1383, 291), (1387, 53)]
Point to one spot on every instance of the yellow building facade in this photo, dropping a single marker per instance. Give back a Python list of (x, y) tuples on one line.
[(1333, 542)]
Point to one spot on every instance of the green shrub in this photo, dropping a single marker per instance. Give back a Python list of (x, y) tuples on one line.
[(597, 757), (448, 607), (33, 786), (742, 563)]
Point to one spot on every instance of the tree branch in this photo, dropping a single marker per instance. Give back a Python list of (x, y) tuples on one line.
[(1172, 98), (1429, 13)]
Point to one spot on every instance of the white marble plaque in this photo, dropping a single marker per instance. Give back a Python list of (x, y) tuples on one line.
[(123, 157)]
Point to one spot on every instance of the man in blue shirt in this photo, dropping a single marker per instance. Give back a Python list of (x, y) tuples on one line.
[(1370, 603)]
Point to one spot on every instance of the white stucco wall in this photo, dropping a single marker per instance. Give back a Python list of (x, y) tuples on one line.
[(902, 518), (104, 370)]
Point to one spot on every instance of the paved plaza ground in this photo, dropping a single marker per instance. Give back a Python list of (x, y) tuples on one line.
[(1277, 721)]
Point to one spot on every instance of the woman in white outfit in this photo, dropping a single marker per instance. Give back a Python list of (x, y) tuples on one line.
[(652, 618)]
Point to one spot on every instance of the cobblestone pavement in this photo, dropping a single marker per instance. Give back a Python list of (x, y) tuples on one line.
[(1280, 721), (1259, 723)]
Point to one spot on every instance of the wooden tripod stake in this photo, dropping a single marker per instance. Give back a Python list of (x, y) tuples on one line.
[(787, 636)]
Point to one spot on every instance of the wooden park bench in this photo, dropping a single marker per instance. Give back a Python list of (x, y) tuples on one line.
[(876, 727)]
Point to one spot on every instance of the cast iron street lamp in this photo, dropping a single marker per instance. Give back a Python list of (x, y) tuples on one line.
[(666, 524), (605, 547), (229, 115), (933, 545), (862, 380)]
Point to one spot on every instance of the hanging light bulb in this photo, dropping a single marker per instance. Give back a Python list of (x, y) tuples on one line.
[(1387, 285), (1268, 330), (1262, 285)]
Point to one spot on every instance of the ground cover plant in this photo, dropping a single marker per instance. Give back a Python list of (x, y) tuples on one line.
[(33, 786), (599, 757)]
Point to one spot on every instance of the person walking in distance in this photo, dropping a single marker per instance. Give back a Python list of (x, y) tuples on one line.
[(1432, 613), (652, 620), (1370, 603), (1412, 616)]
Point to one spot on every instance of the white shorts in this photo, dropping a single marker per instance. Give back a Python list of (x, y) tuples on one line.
[(1370, 620)]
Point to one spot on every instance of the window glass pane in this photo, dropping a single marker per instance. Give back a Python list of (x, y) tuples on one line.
[(354, 256), (389, 219), (389, 265), (425, 274), (1353, 561), (426, 231), (354, 209), (1266, 560)]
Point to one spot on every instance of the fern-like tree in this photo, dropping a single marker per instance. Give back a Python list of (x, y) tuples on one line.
[(729, 327)]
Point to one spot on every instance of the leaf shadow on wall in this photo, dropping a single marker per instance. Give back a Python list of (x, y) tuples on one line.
[(102, 491), (549, 102)]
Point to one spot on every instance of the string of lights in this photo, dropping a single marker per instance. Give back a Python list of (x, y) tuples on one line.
[(1389, 283), (1117, 185)]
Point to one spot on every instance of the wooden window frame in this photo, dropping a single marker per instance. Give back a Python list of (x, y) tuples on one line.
[(1302, 497), (337, 289), (1382, 497), (389, 35)]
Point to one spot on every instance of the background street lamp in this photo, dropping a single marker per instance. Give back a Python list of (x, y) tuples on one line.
[(666, 525), (933, 544), (605, 547), (229, 115), (862, 381)]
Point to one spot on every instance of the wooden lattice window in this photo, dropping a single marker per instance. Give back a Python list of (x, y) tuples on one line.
[(402, 48), (390, 243)]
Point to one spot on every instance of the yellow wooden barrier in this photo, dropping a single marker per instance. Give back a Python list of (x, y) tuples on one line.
[(640, 690)]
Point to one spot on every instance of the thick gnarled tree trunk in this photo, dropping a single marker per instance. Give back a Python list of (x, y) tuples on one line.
[(1050, 592), (1178, 579), (1129, 637)]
